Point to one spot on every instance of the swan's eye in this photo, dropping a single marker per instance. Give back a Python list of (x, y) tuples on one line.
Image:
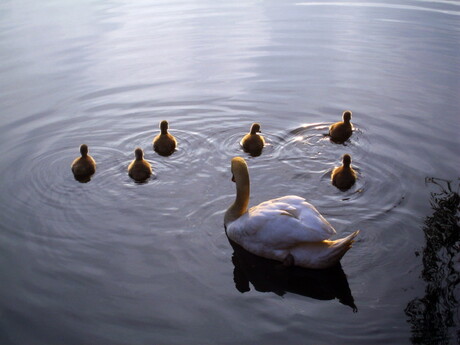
[(233, 178)]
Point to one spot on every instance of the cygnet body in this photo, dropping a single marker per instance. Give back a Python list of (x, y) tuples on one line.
[(342, 130), (85, 166), (252, 142), (139, 169), (344, 177), (164, 143)]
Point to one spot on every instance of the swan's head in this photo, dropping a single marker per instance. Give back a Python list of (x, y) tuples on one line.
[(139, 153), (346, 116), (239, 169), (346, 159), (164, 126), (255, 128), (84, 150)]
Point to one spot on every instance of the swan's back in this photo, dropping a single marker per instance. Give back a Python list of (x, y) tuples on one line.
[(282, 222)]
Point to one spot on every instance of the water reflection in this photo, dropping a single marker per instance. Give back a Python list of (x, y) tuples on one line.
[(271, 276), (434, 317)]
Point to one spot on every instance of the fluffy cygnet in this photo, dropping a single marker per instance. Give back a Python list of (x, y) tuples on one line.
[(252, 142), (139, 169), (344, 177), (83, 167), (164, 143), (342, 130)]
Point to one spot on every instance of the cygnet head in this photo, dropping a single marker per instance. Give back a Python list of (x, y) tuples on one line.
[(84, 150), (255, 128), (346, 159), (139, 153), (346, 116), (164, 126), (239, 169)]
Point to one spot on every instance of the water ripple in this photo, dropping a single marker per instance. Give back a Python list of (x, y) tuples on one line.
[(390, 6), (121, 259)]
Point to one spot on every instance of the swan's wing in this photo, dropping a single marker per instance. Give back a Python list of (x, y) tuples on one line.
[(282, 222)]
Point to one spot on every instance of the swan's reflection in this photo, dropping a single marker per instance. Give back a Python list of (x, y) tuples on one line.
[(271, 276)]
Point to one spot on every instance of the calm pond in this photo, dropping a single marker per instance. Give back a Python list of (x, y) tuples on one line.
[(112, 261)]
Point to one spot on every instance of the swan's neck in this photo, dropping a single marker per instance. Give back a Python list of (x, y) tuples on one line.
[(240, 206)]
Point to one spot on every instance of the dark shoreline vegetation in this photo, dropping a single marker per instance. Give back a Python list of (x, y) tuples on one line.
[(432, 317)]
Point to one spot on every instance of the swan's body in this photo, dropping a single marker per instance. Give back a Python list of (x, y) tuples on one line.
[(252, 142), (343, 177), (85, 166), (164, 143), (139, 169), (287, 229), (342, 130)]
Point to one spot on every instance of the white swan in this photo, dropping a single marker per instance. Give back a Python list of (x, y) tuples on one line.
[(287, 229)]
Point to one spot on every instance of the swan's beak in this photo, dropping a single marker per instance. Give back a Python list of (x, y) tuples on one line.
[(233, 178)]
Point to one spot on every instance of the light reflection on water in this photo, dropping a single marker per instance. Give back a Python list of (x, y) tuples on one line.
[(112, 261)]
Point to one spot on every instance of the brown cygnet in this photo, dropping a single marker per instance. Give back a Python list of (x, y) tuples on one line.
[(343, 177), (85, 166), (164, 143), (252, 142), (139, 169), (342, 130)]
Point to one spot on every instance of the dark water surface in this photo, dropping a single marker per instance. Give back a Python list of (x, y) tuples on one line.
[(115, 262)]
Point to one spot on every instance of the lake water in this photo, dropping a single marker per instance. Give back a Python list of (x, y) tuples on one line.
[(115, 262)]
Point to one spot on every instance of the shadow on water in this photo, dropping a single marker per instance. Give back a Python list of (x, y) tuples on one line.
[(271, 276), (434, 318)]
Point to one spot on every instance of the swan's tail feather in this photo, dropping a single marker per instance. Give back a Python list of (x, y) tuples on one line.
[(349, 240), (322, 254), (341, 246)]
